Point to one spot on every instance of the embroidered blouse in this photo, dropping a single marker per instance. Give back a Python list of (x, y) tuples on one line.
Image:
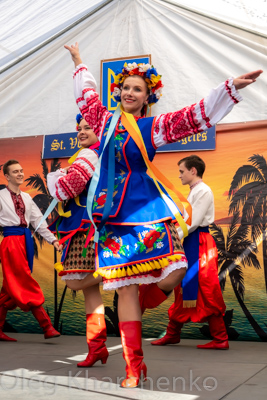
[(64, 186), (168, 128)]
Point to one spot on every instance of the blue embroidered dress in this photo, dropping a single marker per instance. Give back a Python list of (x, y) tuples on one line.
[(139, 243), (71, 188)]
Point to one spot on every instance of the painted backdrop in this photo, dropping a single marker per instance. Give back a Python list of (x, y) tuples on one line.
[(237, 173)]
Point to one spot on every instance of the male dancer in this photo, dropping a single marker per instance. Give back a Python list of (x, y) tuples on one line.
[(200, 298), (17, 211)]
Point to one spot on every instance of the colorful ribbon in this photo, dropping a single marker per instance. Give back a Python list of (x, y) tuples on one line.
[(96, 176), (129, 122)]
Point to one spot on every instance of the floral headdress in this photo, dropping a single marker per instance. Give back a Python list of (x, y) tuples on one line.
[(147, 71)]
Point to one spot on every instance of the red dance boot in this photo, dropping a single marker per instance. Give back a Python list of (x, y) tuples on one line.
[(150, 296), (3, 336), (219, 334), (45, 323), (96, 335), (131, 339), (172, 335)]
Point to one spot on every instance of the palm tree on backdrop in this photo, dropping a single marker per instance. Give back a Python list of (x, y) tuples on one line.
[(42, 200), (236, 252), (249, 190)]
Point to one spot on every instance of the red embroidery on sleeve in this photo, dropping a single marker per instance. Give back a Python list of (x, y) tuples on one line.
[(78, 70), (229, 91)]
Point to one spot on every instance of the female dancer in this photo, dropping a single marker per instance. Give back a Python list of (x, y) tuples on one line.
[(71, 184), (138, 242)]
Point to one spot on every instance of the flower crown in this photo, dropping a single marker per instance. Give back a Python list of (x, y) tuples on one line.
[(147, 71), (79, 117)]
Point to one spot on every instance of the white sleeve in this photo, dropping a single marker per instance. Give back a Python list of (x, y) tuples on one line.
[(52, 179), (87, 99), (82, 79), (43, 230), (220, 101), (172, 127), (70, 185)]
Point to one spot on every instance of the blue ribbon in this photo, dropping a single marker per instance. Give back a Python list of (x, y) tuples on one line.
[(111, 182), (51, 207), (20, 231), (191, 248), (96, 176)]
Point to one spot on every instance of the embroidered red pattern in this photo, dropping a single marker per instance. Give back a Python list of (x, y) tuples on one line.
[(93, 112), (78, 70), (19, 208), (177, 125), (203, 113), (229, 91)]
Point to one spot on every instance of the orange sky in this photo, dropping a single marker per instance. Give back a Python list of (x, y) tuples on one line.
[(232, 151)]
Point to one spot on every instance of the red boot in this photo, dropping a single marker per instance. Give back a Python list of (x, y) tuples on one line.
[(219, 334), (45, 323), (150, 296), (3, 336), (131, 339), (96, 335), (172, 335)]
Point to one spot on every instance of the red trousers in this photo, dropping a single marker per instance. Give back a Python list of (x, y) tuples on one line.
[(209, 300), (19, 288)]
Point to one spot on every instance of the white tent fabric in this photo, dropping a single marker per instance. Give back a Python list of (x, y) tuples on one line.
[(194, 51)]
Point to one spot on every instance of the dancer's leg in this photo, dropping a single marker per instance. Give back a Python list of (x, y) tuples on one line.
[(3, 336), (172, 280), (128, 304), (81, 284), (93, 300), (96, 333), (130, 326), (152, 295), (219, 334), (45, 322)]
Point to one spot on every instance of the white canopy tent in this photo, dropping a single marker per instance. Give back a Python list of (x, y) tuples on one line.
[(192, 46)]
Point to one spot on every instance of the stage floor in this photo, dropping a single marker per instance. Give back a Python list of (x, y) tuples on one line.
[(46, 369)]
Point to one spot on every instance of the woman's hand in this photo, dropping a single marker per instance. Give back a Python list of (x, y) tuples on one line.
[(246, 79), (75, 53), (58, 247)]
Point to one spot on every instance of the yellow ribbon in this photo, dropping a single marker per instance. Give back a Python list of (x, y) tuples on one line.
[(77, 201), (130, 124), (61, 212), (73, 158)]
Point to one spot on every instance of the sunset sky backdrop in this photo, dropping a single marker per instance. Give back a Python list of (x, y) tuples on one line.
[(233, 148)]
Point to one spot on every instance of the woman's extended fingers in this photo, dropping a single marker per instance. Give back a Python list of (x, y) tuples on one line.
[(251, 75), (246, 79)]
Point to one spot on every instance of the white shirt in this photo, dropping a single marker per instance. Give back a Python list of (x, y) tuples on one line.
[(202, 202), (33, 215)]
